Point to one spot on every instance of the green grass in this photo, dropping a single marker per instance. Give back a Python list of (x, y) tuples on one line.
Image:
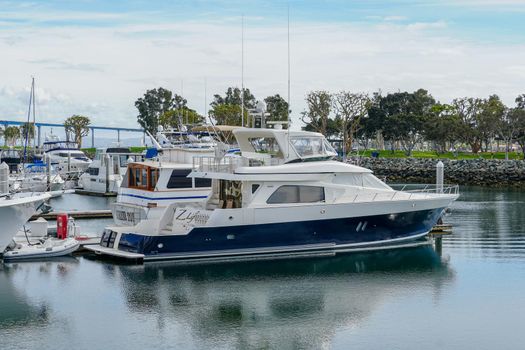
[(137, 149), (90, 151), (446, 155)]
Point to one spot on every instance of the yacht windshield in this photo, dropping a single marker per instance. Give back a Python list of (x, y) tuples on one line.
[(308, 146), (266, 145)]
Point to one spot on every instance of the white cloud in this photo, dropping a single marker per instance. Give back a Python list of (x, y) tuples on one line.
[(394, 18), (102, 71), (427, 25), (391, 18)]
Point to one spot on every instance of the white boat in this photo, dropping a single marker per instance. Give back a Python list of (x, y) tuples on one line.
[(106, 171), (172, 138), (284, 195), (33, 177), (65, 156), (15, 209), (44, 249), (39, 241)]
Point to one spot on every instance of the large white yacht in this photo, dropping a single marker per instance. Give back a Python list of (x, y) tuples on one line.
[(15, 209), (284, 194), (65, 156), (106, 171)]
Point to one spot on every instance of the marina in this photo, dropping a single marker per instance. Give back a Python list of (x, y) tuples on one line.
[(349, 299), (194, 215), (262, 175)]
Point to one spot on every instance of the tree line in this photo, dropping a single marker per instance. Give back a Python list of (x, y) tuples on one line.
[(403, 120), (162, 107)]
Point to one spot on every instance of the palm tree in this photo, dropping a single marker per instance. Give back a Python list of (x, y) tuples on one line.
[(27, 130), (11, 135)]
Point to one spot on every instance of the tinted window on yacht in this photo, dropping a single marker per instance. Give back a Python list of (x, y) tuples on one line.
[(93, 171), (179, 179), (297, 194), (202, 182), (255, 187)]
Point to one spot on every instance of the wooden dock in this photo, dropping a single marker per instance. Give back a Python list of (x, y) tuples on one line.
[(441, 230), (81, 214), (95, 194)]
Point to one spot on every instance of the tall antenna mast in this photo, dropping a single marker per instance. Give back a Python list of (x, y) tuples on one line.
[(288, 109), (34, 115), (242, 70), (205, 99), (182, 102)]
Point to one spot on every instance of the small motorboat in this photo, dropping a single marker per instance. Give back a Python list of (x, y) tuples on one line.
[(41, 241)]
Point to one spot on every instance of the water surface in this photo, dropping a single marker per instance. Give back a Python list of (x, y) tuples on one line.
[(470, 297)]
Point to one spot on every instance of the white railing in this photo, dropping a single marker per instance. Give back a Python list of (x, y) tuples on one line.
[(229, 164), (425, 192), (426, 188)]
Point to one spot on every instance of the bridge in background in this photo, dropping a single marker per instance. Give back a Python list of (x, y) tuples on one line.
[(92, 129)]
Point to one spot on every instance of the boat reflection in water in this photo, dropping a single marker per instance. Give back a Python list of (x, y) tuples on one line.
[(298, 303), (16, 312)]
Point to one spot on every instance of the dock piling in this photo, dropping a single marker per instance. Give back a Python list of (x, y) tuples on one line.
[(439, 176), (107, 161), (48, 170)]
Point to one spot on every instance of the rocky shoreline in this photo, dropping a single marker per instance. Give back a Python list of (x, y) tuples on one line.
[(481, 172)]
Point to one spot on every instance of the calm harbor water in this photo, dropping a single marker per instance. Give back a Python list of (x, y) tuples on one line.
[(470, 297)]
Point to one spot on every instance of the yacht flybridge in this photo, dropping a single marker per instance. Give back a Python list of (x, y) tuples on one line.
[(65, 156), (284, 195)]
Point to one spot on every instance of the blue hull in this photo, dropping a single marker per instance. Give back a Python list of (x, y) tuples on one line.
[(336, 234)]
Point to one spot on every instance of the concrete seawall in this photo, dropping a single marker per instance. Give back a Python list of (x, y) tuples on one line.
[(483, 172)]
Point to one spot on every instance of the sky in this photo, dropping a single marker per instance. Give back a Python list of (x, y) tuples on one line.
[(96, 57)]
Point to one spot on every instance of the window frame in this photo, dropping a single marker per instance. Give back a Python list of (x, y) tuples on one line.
[(298, 195), (141, 170)]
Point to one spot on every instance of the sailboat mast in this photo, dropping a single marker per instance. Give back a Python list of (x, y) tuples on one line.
[(242, 70), (31, 94), (34, 115)]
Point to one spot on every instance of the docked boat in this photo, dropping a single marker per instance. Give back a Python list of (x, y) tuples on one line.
[(34, 177), (41, 241), (284, 195), (15, 209), (173, 138), (106, 171), (68, 160)]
